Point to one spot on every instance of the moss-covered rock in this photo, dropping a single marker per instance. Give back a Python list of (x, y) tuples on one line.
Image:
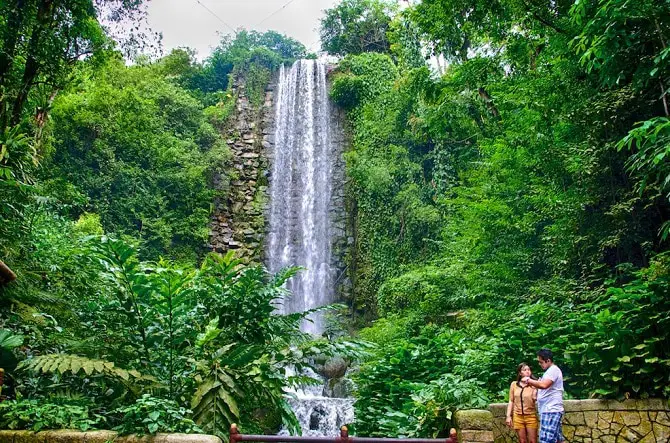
[(339, 388), (474, 419)]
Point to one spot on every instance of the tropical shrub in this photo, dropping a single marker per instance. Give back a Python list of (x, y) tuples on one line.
[(205, 340), (150, 415)]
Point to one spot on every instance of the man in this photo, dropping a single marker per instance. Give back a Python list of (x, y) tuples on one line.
[(549, 398)]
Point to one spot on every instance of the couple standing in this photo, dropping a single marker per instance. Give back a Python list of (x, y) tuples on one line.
[(548, 391)]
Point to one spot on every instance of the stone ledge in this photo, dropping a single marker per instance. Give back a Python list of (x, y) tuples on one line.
[(498, 410), (466, 436), (654, 404), (70, 436), (474, 419), (603, 421)]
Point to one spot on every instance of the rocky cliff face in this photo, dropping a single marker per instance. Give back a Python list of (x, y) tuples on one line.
[(343, 238), (238, 221)]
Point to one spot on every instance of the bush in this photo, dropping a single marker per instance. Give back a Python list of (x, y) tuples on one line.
[(409, 388), (621, 344), (434, 403), (37, 416), (430, 290), (88, 224), (364, 76), (347, 90), (150, 415)]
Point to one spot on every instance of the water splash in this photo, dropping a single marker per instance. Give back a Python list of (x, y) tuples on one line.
[(323, 416), (319, 416)]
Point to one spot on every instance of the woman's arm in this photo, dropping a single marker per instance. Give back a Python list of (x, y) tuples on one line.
[(510, 406)]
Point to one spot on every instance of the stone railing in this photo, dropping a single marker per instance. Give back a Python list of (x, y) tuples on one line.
[(67, 436), (601, 421)]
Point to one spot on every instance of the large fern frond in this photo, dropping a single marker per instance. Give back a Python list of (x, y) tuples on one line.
[(62, 363)]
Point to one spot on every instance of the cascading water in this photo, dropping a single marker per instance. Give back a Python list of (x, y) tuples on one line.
[(320, 416), (301, 187), (301, 203)]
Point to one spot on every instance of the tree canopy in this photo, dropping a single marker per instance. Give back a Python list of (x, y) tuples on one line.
[(356, 26)]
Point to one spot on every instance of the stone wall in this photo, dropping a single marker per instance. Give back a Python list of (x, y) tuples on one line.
[(342, 236), (238, 221), (474, 426), (602, 421), (67, 436)]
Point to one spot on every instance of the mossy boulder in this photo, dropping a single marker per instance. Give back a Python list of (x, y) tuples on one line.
[(335, 367), (338, 388)]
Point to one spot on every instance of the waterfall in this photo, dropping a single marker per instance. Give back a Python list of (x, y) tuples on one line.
[(320, 416), (301, 188), (300, 223)]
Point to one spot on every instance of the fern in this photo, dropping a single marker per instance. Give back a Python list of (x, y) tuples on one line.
[(62, 363)]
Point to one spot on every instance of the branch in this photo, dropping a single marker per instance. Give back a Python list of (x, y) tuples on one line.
[(541, 19), (73, 59), (536, 54), (489, 102)]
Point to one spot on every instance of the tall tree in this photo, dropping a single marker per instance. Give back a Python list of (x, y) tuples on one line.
[(356, 26), (40, 40)]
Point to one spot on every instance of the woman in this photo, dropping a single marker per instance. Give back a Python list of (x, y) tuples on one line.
[(521, 411)]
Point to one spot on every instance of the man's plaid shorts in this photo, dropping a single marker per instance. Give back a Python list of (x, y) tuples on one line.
[(550, 427)]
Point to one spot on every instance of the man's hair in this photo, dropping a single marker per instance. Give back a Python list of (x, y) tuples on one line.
[(545, 354)]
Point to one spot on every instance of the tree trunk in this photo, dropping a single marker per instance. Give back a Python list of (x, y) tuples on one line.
[(41, 117), (32, 67), (10, 40), (489, 102), (6, 274), (536, 54)]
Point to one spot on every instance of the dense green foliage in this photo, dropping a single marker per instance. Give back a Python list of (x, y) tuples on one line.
[(204, 339), (509, 202), (516, 199), (33, 414), (138, 331), (239, 54), (137, 150)]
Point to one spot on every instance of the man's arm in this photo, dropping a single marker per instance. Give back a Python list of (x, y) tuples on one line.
[(540, 384)]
